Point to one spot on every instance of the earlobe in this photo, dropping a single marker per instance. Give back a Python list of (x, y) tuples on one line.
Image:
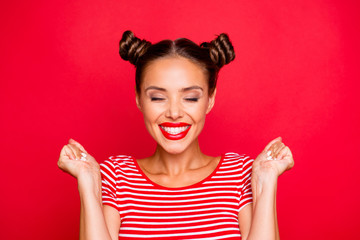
[(211, 101)]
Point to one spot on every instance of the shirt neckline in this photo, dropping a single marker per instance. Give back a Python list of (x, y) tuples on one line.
[(178, 188)]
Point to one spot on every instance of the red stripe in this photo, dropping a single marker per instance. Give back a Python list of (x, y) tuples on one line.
[(160, 204)]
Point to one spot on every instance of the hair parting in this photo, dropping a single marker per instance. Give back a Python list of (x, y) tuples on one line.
[(211, 56)]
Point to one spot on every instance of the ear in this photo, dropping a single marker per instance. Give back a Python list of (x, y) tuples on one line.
[(137, 98), (211, 101)]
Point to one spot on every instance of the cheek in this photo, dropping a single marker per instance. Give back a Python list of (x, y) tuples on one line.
[(198, 111), (150, 113)]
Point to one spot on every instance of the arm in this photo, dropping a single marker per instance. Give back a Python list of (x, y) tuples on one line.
[(259, 220), (96, 221), (264, 222)]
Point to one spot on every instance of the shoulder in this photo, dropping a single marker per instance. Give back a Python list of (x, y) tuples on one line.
[(118, 162), (236, 157), (237, 160)]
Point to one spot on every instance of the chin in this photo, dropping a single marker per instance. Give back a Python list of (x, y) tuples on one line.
[(174, 148)]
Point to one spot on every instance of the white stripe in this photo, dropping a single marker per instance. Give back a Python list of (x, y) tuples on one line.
[(177, 196), (104, 186), (182, 211), (176, 223), (247, 194), (177, 206), (247, 172), (180, 190), (120, 158), (237, 156), (245, 199), (109, 170), (247, 190), (108, 177), (129, 169), (133, 179), (218, 237), (179, 217), (108, 197), (244, 205), (124, 156), (108, 162), (232, 166), (227, 181), (247, 177), (127, 173), (110, 203), (235, 161), (229, 171), (135, 184), (228, 176), (176, 234), (108, 191), (248, 162), (179, 201), (232, 155), (177, 228)]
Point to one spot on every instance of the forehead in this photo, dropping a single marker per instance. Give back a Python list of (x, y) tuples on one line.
[(174, 72)]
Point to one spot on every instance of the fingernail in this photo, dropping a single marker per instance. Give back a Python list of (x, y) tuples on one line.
[(269, 158), (268, 153), (83, 154)]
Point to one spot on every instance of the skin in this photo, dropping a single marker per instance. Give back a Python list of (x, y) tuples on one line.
[(183, 99), (177, 163)]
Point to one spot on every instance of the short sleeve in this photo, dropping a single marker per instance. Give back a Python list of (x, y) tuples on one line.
[(245, 188), (108, 184)]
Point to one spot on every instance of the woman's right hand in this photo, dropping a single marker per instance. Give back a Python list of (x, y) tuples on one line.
[(71, 161)]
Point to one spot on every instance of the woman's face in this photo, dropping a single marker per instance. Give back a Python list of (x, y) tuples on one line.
[(174, 101)]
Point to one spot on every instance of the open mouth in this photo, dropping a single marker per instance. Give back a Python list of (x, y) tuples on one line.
[(174, 131)]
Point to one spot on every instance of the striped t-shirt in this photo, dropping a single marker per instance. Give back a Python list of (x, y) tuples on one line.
[(205, 210)]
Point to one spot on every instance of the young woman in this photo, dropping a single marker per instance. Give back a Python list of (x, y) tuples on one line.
[(178, 192)]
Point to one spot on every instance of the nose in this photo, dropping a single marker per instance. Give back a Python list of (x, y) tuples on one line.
[(174, 110)]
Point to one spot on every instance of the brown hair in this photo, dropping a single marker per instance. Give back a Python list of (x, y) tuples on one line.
[(211, 56)]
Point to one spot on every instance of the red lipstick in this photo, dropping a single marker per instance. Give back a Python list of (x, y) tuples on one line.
[(176, 136)]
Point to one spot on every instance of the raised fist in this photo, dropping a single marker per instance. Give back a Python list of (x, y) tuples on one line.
[(76, 161)]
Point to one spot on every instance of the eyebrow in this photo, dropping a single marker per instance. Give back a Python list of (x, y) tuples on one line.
[(182, 90), (155, 88), (191, 88)]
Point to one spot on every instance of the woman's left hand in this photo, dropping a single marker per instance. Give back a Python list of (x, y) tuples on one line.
[(274, 160)]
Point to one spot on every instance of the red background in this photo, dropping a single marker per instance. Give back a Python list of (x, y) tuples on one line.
[(295, 75)]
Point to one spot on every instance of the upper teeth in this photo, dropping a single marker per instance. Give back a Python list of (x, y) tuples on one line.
[(174, 130)]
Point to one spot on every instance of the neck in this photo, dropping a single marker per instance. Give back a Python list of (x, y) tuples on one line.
[(176, 164)]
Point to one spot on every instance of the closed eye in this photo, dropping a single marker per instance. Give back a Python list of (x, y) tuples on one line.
[(153, 99), (192, 99)]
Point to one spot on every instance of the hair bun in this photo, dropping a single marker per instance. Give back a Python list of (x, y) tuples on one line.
[(221, 50), (132, 48)]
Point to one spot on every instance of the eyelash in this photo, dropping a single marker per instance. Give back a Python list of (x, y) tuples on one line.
[(192, 99), (154, 99)]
